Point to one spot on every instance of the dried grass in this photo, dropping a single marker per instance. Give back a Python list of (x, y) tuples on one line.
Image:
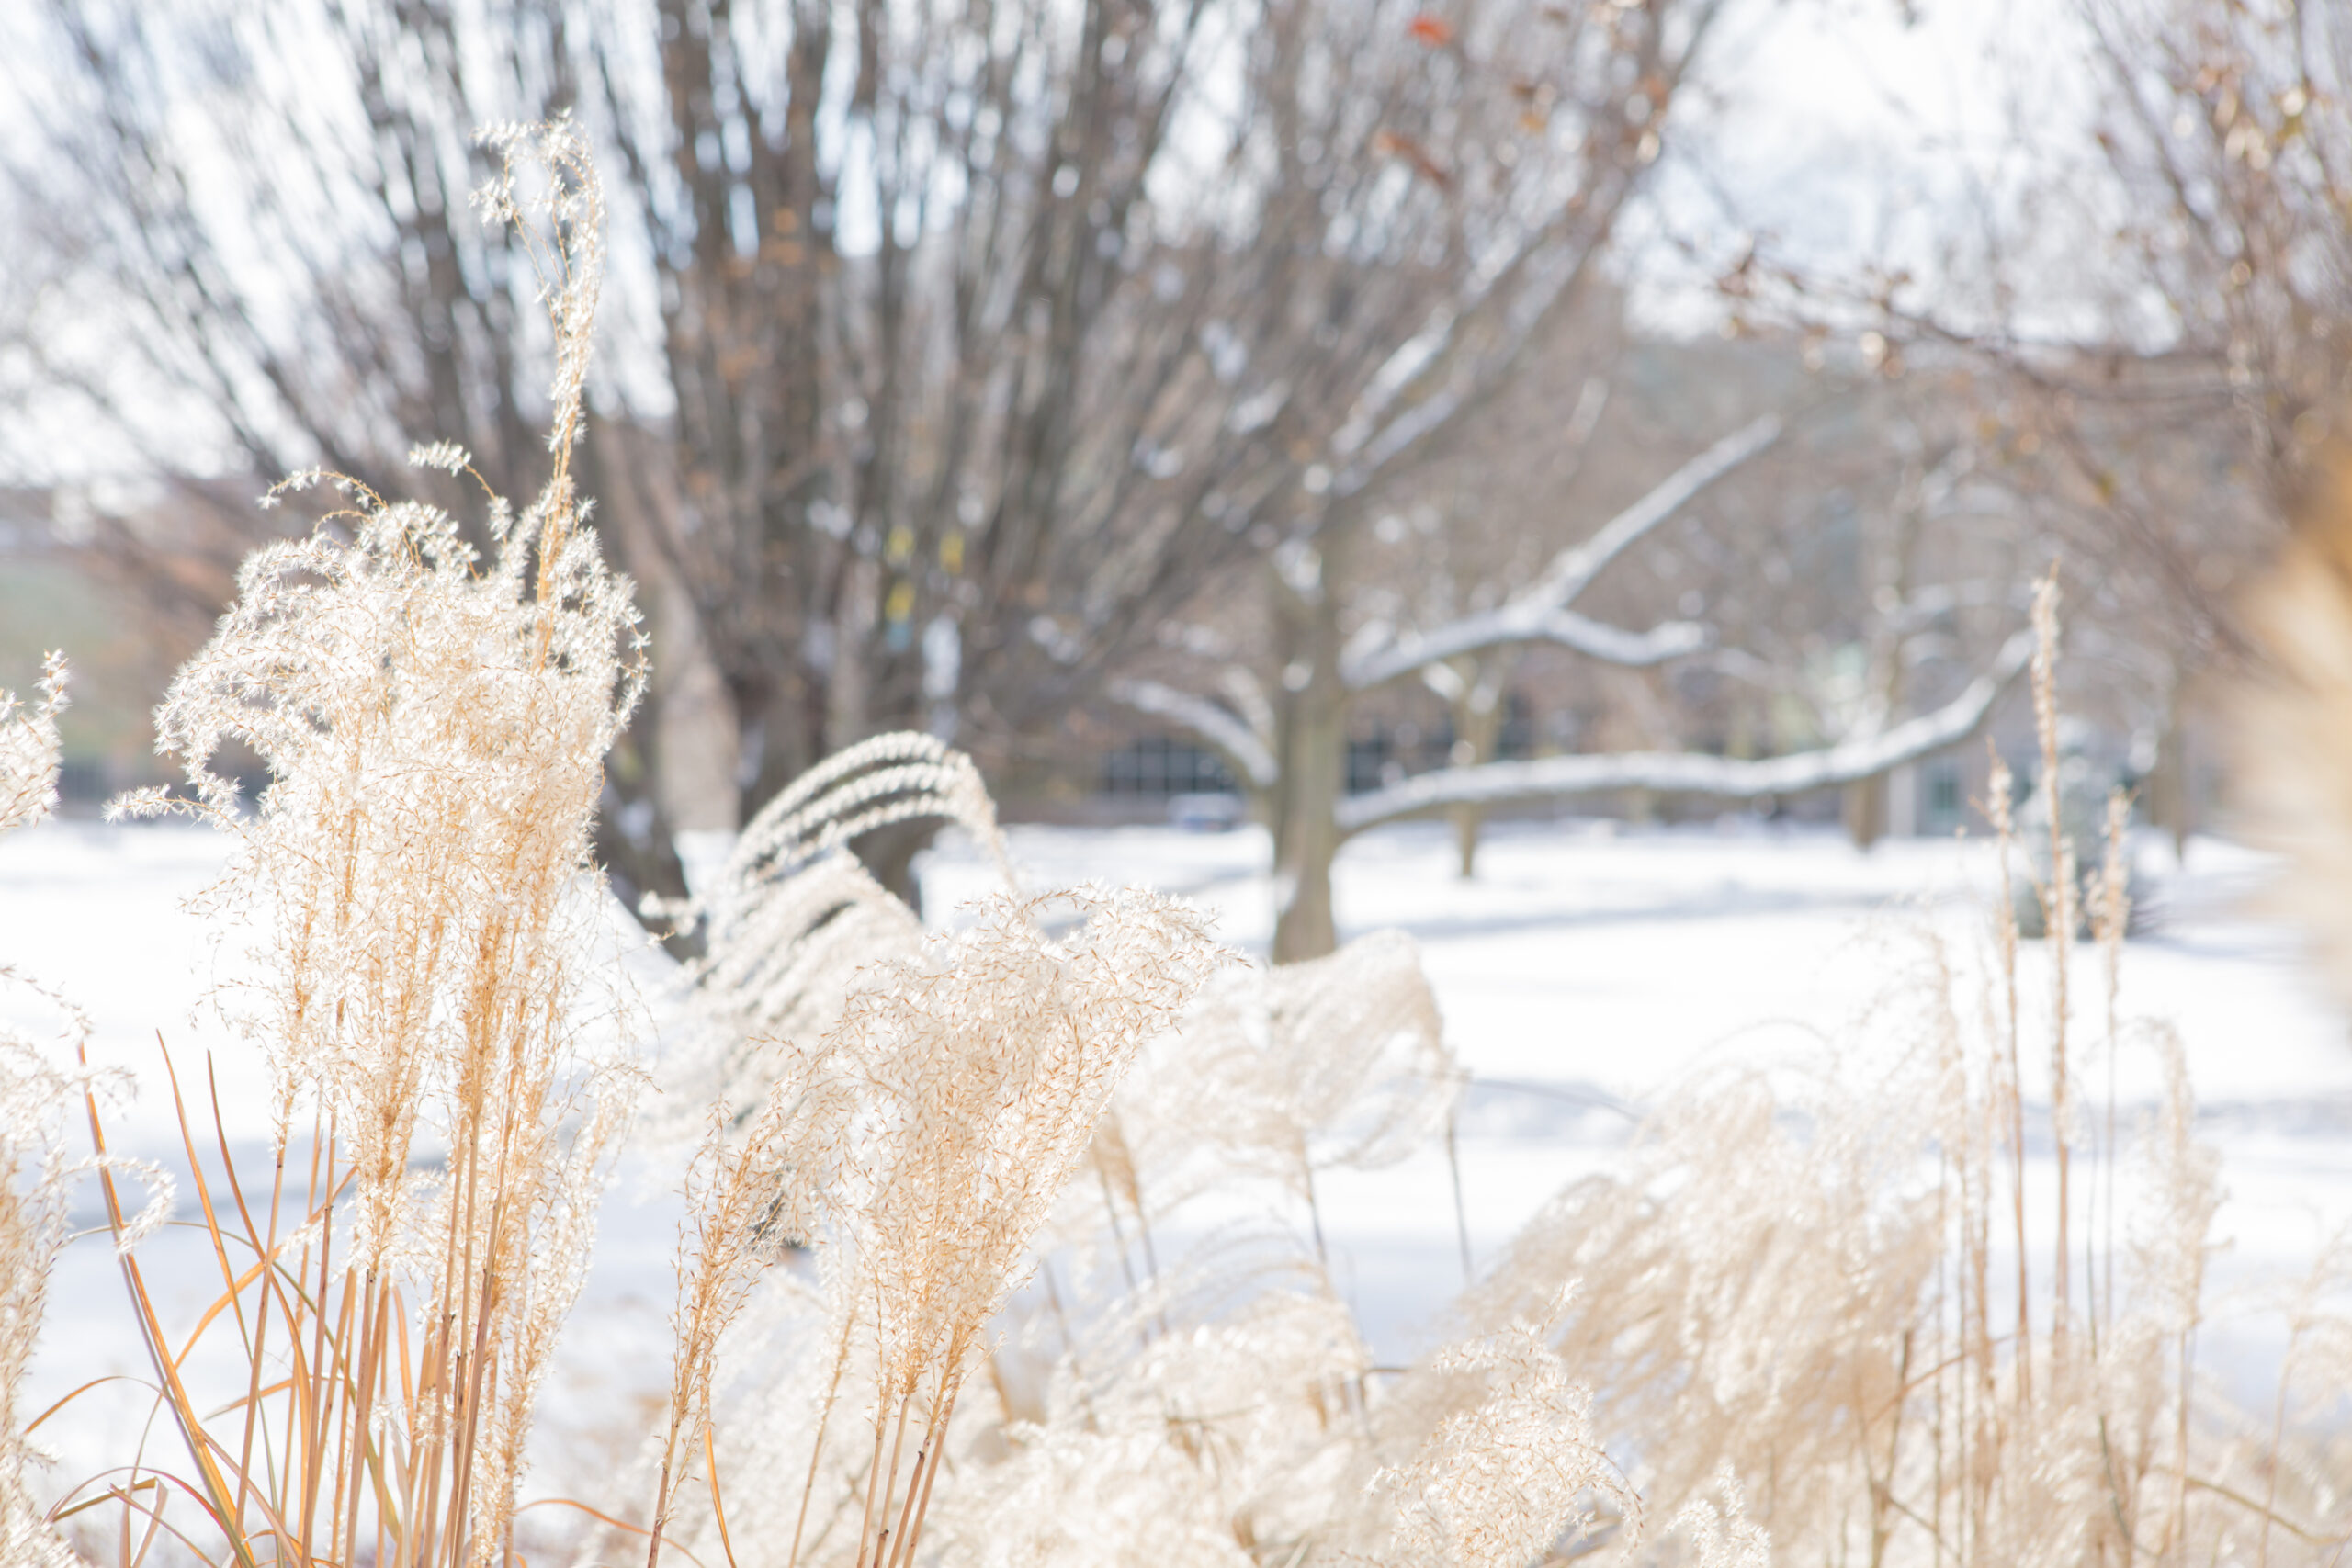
[(38, 1166), (423, 906)]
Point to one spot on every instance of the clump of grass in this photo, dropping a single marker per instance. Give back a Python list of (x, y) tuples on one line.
[(418, 875), (976, 1076), (38, 1166), (1502, 1478)]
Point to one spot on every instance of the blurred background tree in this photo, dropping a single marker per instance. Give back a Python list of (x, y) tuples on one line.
[(979, 366), (2139, 268), (962, 342)]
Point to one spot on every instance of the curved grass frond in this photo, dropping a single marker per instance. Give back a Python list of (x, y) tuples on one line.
[(795, 915)]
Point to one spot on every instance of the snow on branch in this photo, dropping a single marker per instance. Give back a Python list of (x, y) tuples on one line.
[(1574, 569), (1614, 645), (1240, 743), (1597, 639), (1683, 772), (1541, 612)]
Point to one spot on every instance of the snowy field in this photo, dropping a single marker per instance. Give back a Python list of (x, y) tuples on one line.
[(1583, 972)]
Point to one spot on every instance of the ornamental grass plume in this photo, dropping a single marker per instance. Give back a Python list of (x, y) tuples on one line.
[(28, 749), (749, 1198), (418, 878), (1502, 1481), (1281, 1073), (918, 1148), (1746, 1292), (1220, 1444), (983, 1067)]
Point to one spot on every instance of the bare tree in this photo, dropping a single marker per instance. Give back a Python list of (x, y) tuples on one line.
[(2159, 308), (1293, 752), (971, 339)]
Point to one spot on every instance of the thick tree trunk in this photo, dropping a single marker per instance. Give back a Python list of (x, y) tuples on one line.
[(1317, 761)]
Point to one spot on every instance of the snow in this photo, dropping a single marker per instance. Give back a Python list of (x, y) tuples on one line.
[(1585, 971), (1695, 773)]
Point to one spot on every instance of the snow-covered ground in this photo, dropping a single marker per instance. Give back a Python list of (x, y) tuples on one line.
[(1583, 972), (1588, 969)]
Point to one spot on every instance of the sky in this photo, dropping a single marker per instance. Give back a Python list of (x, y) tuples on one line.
[(1846, 131)]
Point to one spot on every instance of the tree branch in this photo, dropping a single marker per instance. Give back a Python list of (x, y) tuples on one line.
[(1540, 613), (1476, 634), (1232, 738), (1681, 773), (1573, 569)]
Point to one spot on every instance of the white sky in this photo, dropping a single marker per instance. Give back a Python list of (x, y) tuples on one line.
[(1847, 132)]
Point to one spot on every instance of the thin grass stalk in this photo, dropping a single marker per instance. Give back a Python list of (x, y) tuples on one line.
[(340, 1394), (718, 1504), (2115, 897), (1454, 1172), (1118, 1231), (915, 1484), (817, 1446), (2058, 928), (320, 1384), (661, 1508), (939, 1453), (1314, 1210), (2006, 931), (891, 1481), (872, 1479), (254, 1413), (216, 1490), (359, 1402)]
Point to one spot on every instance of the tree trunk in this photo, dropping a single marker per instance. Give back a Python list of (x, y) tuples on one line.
[(1316, 759), (1889, 580), (1477, 726), (2169, 806), (1864, 809), (1311, 736)]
